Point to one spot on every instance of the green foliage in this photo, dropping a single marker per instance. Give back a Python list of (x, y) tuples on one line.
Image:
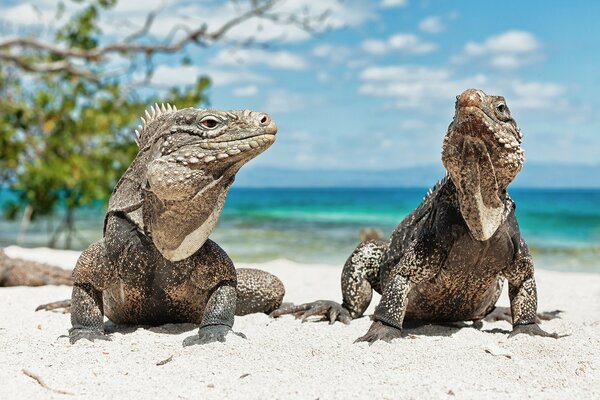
[(65, 141)]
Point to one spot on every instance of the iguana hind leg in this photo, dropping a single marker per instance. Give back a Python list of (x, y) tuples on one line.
[(91, 275), (360, 277), (257, 291)]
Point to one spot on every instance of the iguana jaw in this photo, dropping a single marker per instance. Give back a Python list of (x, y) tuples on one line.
[(482, 155), (192, 233)]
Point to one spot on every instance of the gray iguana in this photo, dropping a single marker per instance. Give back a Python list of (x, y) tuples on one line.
[(446, 261), (155, 263)]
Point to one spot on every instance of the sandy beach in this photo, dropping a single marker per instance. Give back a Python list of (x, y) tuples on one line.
[(284, 358)]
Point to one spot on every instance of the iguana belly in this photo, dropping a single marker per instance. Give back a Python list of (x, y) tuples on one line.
[(468, 283), (443, 299), (128, 304)]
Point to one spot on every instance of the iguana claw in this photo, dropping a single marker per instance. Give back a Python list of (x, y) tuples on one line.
[(533, 330), (380, 331), (329, 310), (209, 334), (76, 334)]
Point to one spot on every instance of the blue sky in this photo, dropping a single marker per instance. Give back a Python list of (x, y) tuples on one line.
[(376, 90)]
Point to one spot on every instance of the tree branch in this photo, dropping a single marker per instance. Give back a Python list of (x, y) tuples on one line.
[(49, 67), (199, 37)]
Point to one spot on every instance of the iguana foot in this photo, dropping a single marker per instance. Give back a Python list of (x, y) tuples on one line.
[(55, 305), (499, 314), (504, 314), (209, 334), (76, 334), (328, 310), (533, 330), (547, 316), (380, 331)]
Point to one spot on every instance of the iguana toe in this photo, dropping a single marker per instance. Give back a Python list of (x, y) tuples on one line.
[(209, 334), (533, 330), (380, 331), (329, 310), (76, 334), (55, 305), (499, 314)]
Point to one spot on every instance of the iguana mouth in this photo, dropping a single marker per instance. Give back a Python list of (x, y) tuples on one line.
[(246, 138)]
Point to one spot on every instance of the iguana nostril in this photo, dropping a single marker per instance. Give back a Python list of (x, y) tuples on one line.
[(265, 119)]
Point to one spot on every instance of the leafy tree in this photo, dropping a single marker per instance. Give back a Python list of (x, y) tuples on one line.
[(66, 125)]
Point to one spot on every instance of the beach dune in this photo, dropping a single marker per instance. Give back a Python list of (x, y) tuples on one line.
[(283, 358)]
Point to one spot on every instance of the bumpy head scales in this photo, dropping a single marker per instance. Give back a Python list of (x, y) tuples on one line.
[(482, 154)]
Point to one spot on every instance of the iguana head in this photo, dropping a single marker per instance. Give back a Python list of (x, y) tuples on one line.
[(482, 154), (186, 163)]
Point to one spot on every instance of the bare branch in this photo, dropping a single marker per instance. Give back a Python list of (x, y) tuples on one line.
[(45, 67), (145, 29), (200, 36)]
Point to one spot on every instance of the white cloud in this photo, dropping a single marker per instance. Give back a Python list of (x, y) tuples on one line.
[(273, 59), (538, 95), (403, 73), (375, 46), (403, 42), (512, 42), (432, 24), (246, 91), (509, 50), (424, 88), (335, 54), (129, 16), (169, 75), (214, 14), (323, 77), (25, 14), (282, 101), (393, 3), (414, 87)]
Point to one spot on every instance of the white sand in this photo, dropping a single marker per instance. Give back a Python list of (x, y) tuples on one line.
[(286, 359)]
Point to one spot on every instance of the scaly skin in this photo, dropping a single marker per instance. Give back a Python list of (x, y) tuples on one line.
[(447, 260), (155, 263)]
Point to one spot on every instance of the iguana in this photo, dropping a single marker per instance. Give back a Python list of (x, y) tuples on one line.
[(19, 272), (447, 260), (155, 263)]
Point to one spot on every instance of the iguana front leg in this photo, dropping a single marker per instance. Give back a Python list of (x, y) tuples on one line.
[(523, 295), (91, 275), (389, 314), (218, 317), (420, 262)]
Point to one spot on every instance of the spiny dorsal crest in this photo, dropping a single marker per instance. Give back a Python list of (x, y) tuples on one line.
[(435, 187), (155, 112)]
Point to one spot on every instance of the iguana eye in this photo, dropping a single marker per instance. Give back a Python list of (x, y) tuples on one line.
[(209, 122)]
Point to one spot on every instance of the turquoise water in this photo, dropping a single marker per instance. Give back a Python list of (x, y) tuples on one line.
[(562, 227)]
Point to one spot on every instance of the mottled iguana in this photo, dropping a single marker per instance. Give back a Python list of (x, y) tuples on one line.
[(19, 272), (155, 263), (446, 261)]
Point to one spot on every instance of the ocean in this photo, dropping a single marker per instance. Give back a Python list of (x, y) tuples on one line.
[(561, 227)]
